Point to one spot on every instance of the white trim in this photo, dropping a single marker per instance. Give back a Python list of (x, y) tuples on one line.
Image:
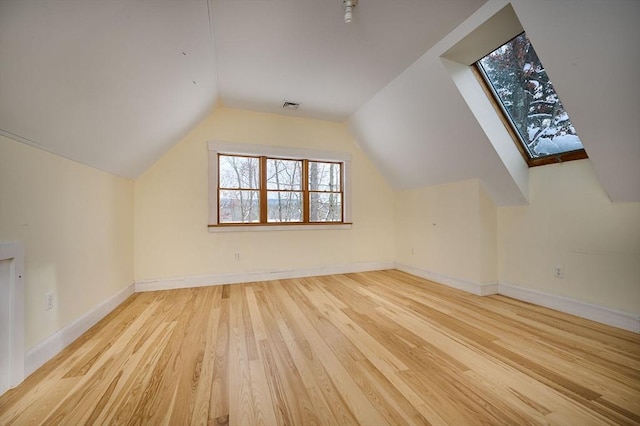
[(220, 147), (14, 252), (601, 314), (213, 186), (244, 277), (52, 345), (480, 289), (347, 191), (276, 151), (249, 228)]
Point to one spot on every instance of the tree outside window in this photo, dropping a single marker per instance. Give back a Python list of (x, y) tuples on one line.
[(258, 189), (529, 101)]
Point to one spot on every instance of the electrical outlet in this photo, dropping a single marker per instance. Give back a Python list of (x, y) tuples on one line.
[(237, 256), (558, 271), (413, 250), (48, 301)]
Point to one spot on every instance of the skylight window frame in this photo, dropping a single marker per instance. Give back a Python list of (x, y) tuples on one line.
[(510, 126)]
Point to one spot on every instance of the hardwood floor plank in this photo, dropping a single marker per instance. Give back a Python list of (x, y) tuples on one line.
[(264, 411), (310, 320), (491, 369), (316, 378), (219, 396), (351, 356), (370, 348), (203, 391), (138, 375), (296, 351), (160, 390), (240, 389)]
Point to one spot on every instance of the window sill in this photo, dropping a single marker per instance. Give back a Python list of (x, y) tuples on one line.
[(260, 228)]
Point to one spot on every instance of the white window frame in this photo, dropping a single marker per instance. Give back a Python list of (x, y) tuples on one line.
[(230, 148)]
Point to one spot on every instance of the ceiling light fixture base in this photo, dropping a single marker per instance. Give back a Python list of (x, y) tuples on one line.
[(348, 9)]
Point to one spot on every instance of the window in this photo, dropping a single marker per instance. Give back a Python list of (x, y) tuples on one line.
[(263, 186), (239, 189), (530, 105), (325, 194)]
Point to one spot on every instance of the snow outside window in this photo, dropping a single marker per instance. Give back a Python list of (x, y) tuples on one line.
[(521, 87)]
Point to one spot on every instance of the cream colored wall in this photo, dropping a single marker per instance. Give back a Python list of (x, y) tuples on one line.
[(171, 206), (451, 229), (455, 230), (77, 227), (570, 222)]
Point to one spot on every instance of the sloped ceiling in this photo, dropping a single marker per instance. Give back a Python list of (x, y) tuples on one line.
[(591, 51), (114, 84), (303, 51), (420, 131)]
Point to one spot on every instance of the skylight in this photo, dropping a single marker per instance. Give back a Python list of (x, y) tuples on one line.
[(530, 104)]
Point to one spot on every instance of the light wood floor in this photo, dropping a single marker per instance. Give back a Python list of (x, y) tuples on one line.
[(371, 348)]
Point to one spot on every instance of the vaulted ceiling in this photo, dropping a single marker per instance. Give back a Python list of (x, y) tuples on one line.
[(114, 84)]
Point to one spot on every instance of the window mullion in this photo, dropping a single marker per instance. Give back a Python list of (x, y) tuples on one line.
[(263, 189), (218, 184), (341, 192), (305, 191)]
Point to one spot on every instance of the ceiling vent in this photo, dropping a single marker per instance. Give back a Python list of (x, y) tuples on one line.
[(290, 105)]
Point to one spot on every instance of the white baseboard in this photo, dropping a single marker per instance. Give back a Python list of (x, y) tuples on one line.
[(244, 277), (480, 289), (603, 315), (52, 345)]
